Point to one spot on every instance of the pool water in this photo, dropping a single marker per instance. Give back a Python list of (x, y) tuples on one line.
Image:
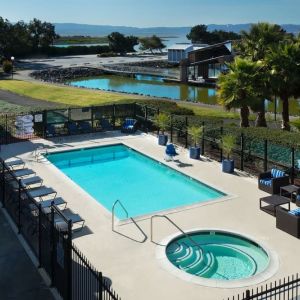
[(221, 256), (142, 184)]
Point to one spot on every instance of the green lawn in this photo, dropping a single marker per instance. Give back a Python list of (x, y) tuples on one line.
[(70, 96), (6, 107)]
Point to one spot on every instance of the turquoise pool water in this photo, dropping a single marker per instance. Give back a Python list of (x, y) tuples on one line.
[(221, 256), (142, 184)]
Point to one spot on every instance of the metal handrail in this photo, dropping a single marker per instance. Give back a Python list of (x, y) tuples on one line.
[(175, 225), (113, 213)]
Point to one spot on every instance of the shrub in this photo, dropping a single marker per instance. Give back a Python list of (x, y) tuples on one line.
[(196, 134), (227, 144), (7, 66), (162, 121), (107, 54)]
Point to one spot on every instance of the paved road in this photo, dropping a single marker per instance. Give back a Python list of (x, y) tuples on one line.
[(19, 278), (26, 101)]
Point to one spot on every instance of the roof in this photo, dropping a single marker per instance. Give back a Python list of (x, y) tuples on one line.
[(180, 46), (226, 44)]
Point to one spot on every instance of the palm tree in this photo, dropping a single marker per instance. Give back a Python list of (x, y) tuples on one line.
[(284, 62), (261, 37), (236, 88)]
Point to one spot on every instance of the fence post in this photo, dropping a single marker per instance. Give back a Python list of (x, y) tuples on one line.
[(6, 130), (158, 128), (171, 127), (19, 213), (221, 149), (3, 183), (247, 295), (69, 261), (101, 285), (202, 140), (265, 156), (53, 246), (242, 150), (114, 116), (293, 165), (40, 235), (44, 124), (92, 117), (146, 118), (186, 132)]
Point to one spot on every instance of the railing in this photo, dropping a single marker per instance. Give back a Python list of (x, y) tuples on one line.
[(175, 225), (286, 289), (127, 216)]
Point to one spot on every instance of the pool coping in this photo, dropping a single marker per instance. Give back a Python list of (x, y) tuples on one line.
[(271, 270), (119, 222)]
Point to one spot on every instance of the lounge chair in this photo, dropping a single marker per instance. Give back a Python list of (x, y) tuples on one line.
[(129, 126), (14, 162), (288, 221), (23, 172), (271, 182), (46, 204), (60, 222), (85, 127), (72, 128), (170, 152), (41, 192), (26, 183)]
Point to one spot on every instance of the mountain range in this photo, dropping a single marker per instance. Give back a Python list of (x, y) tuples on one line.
[(65, 29)]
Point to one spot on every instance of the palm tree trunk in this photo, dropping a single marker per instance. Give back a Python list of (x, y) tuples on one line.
[(244, 116), (261, 116), (285, 114)]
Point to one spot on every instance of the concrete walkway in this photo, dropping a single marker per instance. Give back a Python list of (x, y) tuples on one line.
[(19, 278)]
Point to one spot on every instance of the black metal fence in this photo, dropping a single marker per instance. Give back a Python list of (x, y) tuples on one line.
[(285, 289), (68, 269), (251, 154)]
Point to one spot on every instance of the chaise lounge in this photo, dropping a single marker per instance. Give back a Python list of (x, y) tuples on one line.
[(271, 181)]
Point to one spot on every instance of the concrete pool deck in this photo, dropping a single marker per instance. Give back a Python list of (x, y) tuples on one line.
[(124, 256)]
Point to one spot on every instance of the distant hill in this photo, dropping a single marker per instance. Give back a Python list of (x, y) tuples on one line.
[(103, 30)]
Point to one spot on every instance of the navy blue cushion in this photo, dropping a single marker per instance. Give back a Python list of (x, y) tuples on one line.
[(295, 212), (298, 197), (267, 181)]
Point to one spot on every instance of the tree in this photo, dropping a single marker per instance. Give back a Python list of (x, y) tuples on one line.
[(152, 43), (236, 89), (284, 62), (119, 43), (198, 33), (261, 38)]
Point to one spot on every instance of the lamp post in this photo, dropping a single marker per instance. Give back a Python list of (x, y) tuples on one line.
[(12, 62)]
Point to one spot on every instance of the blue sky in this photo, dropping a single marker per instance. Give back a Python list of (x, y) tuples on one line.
[(149, 13)]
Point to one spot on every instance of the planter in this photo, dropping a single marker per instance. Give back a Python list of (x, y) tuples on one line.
[(228, 166), (195, 152), (162, 139)]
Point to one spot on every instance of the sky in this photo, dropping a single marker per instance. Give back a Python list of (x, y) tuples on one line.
[(152, 13)]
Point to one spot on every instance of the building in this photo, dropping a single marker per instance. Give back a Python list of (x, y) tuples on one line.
[(180, 51), (206, 63)]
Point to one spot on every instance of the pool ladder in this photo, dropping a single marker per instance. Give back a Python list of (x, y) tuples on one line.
[(175, 225), (127, 216)]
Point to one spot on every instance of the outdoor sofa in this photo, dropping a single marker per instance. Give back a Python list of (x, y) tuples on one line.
[(271, 181), (288, 221)]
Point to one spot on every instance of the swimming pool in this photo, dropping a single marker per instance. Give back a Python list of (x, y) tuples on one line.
[(142, 184)]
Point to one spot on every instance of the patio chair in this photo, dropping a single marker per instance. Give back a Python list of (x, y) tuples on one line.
[(14, 162), (170, 152), (129, 126), (271, 181), (26, 183), (46, 204), (85, 127), (41, 192), (72, 128), (50, 130), (105, 124), (60, 221), (23, 172), (288, 221)]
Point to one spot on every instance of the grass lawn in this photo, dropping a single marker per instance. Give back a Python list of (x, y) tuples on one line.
[(6, 107), (70, 96)]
